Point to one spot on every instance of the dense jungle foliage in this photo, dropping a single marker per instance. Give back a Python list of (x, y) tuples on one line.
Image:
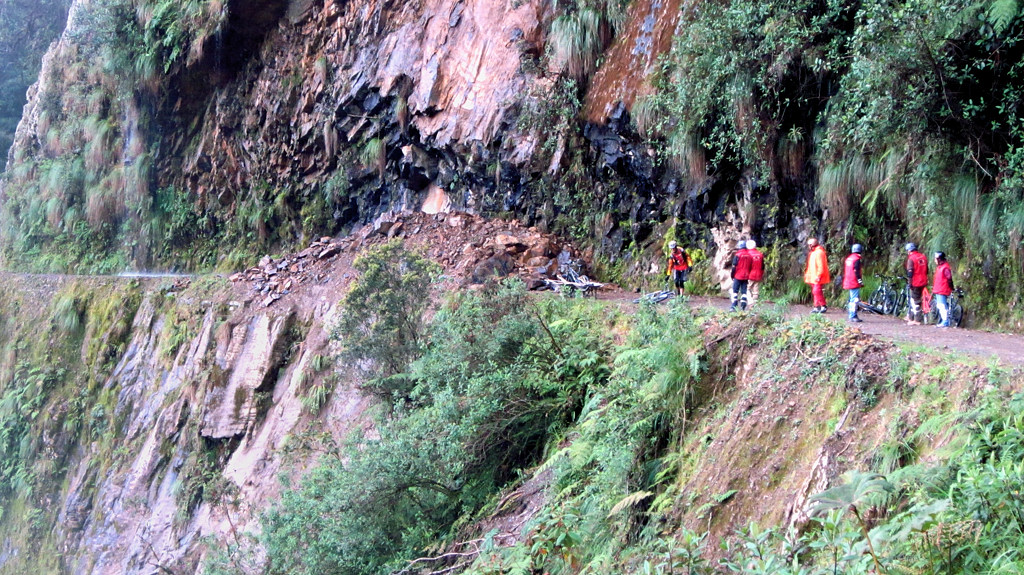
[(607, 420), (900, 116), (26, 29)]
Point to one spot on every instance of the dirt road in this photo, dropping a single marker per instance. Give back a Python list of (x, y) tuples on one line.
[(1008, 348)]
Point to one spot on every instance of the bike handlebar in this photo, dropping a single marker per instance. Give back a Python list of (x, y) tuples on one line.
[(889, 278)]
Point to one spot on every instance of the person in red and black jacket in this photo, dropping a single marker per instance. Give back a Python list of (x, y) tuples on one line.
[(942, 287), (853, 281), (678, 266), (740, 275), (917, 276), (756, 272)]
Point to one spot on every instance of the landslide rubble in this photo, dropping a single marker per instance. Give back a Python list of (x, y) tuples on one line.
[(470, 248)]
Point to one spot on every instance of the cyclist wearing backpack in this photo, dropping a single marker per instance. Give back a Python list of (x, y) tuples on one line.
[(942, 287), (679, 263), (740, 276), (853, 281), (816, 274), (756, 272), (917, 277)]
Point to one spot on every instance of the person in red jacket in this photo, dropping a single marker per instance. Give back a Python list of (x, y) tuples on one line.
[(917, 277), (853, 281), (942, 287), (756, 272), (678, 266), (740, 275)]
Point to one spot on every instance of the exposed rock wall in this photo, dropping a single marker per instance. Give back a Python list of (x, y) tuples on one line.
[(206, 411), (307, 118), (331, 79)]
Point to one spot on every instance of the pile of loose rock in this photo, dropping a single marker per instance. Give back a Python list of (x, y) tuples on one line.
[(471, 249), (272, 279)]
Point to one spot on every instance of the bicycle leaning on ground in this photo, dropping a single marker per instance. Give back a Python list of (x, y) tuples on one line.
[(656, 297), (956, 310)]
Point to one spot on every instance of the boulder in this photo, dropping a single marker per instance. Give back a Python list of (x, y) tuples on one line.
[(512, 244), (534, 284), (497, 266), (542, 248)]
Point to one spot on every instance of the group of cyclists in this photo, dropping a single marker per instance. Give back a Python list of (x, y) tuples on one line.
[(916, 267), (747, 271)]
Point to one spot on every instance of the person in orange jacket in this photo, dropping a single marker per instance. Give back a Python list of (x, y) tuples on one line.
[(816, 274)]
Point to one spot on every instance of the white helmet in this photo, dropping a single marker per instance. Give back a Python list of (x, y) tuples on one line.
[(751, 244), (671, 245)]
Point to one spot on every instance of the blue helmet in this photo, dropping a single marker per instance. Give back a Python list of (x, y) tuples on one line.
[(856, 248)]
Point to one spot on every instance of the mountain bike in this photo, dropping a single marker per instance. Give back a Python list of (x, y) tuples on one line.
[(888, 296), (656, 297), (956, 310)]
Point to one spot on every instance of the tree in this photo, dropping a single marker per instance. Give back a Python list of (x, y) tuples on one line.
[(382, 327)]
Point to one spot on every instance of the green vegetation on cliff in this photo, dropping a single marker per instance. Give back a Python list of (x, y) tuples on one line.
[(619, 471), (55, 361), (548, 435), (26, 29)]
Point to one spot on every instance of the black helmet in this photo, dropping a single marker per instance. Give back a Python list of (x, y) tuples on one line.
[(856, 248), (911, 247), (941, 256)]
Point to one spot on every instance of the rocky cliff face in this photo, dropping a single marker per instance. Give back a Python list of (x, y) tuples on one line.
[(175, 434), (150, 421), (318, 115), (147, 425)]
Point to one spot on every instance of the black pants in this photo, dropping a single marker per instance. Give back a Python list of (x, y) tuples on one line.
[(916, 313), (680, 278), (739, 293)]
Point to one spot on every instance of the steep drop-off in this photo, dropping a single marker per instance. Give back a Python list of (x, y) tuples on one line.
[(149, 424)]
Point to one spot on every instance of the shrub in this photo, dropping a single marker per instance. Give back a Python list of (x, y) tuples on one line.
[(381, 329), (499, 377)]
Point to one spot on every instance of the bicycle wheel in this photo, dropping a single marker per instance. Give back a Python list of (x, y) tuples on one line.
[(889, 303), (956, 313), (933, 316), (877, 298), (900, 308)]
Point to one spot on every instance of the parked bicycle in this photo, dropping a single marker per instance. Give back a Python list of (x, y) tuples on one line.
[(956, 310), (890, 298), (569, 281)]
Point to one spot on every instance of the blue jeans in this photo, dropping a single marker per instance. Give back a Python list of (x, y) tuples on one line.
[(942, 302), (851, 305)]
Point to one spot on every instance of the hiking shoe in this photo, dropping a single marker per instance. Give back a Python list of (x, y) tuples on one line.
[(913, 322), (856, 319)]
